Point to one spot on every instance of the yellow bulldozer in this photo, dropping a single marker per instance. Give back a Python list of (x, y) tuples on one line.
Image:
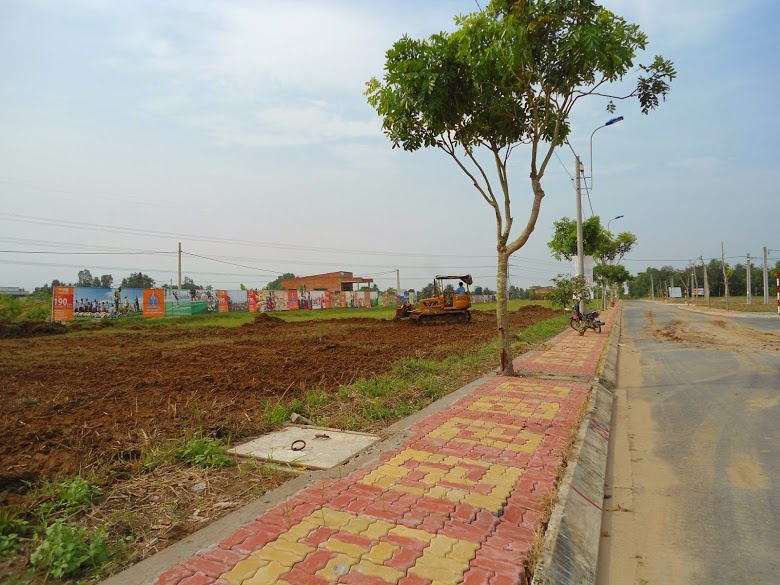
[(444, 306)]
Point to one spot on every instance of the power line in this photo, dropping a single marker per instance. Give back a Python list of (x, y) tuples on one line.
[(210, 239)]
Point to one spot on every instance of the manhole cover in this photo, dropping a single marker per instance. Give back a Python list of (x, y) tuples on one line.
[(308, 446)]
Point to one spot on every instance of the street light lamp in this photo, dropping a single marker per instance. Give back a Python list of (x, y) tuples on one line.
[(613, 219), (608, 123)]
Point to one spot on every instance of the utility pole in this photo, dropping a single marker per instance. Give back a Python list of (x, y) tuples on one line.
[(580, 246), (695, 283), (766, 276), (725, 276), (397, 284), (706, 282), (749, 297), (179, 267)]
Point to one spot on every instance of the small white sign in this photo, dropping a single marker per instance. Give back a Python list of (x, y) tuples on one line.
[(675, 292)]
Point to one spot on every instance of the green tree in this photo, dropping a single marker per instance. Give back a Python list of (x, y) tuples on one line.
[(85, 278), (189, 284), (138, 280), (428, 291), (277, 283), (510, 75), (566, 289), (106, 280), (477, 290), (42, 292)]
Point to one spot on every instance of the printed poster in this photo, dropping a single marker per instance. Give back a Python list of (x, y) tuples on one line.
[(223, 301), (153, 303), (62, 304)]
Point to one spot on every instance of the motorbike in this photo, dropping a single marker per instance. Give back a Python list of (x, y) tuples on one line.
[(589, 321)]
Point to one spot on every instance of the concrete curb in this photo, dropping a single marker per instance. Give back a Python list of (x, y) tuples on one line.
[(571, 542)]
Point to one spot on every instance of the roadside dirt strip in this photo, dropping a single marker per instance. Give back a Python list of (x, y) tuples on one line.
[(458, 501)]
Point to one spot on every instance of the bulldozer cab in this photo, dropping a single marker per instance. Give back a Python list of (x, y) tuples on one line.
[(446, 290)]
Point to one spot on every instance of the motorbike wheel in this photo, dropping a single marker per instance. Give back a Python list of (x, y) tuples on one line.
[(596, 328), (574, 324)]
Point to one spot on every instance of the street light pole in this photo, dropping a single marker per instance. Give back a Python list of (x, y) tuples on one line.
[(580, 246), (580, 169)]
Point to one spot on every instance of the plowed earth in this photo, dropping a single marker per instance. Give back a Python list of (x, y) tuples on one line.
[(93, 396)]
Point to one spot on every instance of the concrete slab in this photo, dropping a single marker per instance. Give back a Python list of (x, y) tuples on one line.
[(306, 446)]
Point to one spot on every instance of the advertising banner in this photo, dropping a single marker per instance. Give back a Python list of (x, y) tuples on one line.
[(251, 300), (223, 301), (62, 304), (292, 300), (317, 299), (177, 303), (237, 301), (327, 301), (153, 303)]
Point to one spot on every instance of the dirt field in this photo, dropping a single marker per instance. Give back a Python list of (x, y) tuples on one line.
[(73, 399)]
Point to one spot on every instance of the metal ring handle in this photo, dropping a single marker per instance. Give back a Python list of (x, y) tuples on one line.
[(301, 444)]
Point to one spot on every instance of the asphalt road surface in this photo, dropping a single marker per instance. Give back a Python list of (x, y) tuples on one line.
[(693, 477)]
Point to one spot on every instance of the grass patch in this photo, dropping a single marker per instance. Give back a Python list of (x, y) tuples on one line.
[(204, 452), (65, 498), (544, 330)]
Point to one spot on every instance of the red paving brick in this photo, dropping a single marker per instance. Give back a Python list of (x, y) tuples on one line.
[(458, 502)]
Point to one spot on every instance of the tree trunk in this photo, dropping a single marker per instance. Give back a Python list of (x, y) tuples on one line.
[(502, 315)]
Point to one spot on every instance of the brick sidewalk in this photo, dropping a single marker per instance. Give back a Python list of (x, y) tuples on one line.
[(459, 502)]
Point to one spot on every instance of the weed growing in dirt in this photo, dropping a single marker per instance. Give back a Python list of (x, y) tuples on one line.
[(280, 414), (12, 529), (65, 549), (203, 451), (65, 497)]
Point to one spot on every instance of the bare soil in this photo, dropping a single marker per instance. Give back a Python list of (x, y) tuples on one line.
[(97, 397)]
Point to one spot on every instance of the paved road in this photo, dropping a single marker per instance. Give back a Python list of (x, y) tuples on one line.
[(694, 470)]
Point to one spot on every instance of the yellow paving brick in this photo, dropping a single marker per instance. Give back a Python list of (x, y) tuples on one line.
[(358, 524), (440, 546), (284, 557), (444, 570), (336, 567), (380, 553), (438, 492), (386, 481), (377, 530), (244, 570), (463, 551), (370, 569), (296, 548), (354, 551), (412, 533), (489, 503), (392, 470), (270, 573), (409, 489), (332, 518), (299, 531)]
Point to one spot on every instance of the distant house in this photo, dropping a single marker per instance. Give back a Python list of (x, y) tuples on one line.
[(541, 291), (13, 291), (328, 281)]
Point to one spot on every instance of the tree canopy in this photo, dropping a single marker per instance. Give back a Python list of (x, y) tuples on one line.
[(509, 76), (277, 283), (138, 280)]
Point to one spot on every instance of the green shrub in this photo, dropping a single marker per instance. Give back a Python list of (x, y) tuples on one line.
[(12, 529), (10, 308), (203, 451), (66, 549), (66, 497)]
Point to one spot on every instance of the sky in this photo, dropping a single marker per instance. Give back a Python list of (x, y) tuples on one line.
[(240, 129)]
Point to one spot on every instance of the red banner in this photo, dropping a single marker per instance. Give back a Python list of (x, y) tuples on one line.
[(292, 300), (154, 303), (326, 302), (251, 300), (223, 301), (62, 303)]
